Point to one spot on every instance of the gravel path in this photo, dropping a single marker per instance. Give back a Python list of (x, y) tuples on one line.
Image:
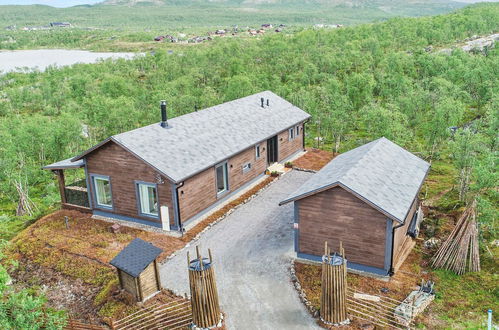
[(252, 249)]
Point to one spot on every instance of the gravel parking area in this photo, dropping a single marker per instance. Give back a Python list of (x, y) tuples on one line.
[(252, 249)]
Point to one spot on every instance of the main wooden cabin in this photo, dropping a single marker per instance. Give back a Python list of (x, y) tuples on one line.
[(366, 198), (169, 174)]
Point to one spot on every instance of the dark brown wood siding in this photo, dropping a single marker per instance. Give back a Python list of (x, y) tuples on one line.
[(124, 169), (199, 191), (288, 147), (237, 177), (337, 215), (399, 241)]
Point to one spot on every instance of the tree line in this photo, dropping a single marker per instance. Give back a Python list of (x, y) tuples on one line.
[(358, 83)]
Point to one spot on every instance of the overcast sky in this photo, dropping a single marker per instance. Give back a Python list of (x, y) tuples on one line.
[(69, 3), (53, 3)]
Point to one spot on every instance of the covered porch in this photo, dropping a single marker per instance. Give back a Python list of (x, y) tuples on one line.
[(75, 195)]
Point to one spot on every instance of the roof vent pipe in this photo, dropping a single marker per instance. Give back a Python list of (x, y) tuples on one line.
[(164, 118), (267, 102), (263, 100)]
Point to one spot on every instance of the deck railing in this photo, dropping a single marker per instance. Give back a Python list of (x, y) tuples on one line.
[(76, 194)]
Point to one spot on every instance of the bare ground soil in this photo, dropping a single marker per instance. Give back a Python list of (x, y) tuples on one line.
[(314, 159)]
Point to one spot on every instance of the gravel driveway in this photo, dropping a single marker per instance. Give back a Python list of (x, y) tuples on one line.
[(252, 249)]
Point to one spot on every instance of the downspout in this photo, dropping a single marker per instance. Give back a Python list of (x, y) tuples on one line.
[(88, 183), (178, 206), (392, 271)]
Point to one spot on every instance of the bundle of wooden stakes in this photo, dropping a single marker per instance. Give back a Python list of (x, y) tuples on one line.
[(334, 287), (204, 295), (459, 252)]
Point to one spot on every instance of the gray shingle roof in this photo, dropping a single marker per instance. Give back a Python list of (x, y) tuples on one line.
[(380, 172), (135, 257), (198, 140), (66, 163)]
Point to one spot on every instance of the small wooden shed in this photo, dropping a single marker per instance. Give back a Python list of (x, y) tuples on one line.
[(138, 269), (366, 198)]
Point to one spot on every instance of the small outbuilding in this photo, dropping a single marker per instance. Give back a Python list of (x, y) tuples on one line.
[(366, 198), (138, 269)]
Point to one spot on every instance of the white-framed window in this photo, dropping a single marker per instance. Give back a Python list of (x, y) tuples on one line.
[(246, 167), (257, 151), (297, 130), (147, 198), (222, 178), (102, 191), (291, 133)]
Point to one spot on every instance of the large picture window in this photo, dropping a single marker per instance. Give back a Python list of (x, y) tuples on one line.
[(222, 183), (102, 187), (148, 199)]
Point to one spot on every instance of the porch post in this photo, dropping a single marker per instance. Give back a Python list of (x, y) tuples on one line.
[(62, 185)]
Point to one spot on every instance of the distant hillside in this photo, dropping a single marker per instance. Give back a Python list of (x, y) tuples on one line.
[(147, 15)]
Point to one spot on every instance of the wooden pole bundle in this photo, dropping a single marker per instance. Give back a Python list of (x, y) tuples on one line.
[(25, 205), (204, 295), (459, 252), (334, 287)]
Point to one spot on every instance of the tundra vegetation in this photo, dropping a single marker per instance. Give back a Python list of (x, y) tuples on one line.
[(132, 25), (359, 83)]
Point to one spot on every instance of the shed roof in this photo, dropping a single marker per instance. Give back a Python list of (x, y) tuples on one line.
[(135, 257), (66, 163), (193, 142), (380, 172)]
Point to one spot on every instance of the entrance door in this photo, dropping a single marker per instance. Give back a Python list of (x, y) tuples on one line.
[(272, 150)]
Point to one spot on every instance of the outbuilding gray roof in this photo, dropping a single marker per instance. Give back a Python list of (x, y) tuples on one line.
[(135, 257), (195, 141), (63, 164), (380, 172)]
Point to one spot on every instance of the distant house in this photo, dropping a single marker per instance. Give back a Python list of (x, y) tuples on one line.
[(60, 24), (366, 198), (266, 26), (170, 174)]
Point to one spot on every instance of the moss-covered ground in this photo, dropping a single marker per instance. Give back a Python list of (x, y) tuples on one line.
[(49, 257)]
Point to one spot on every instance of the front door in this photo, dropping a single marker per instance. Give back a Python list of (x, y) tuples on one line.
[(272, 150)]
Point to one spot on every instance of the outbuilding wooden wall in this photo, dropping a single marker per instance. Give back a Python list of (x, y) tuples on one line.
[(124, 169), (148, 280), (144, 286), (128, 284), (337, 215), (402, 241)]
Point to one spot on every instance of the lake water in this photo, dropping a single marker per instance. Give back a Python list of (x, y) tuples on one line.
[(40, 59)]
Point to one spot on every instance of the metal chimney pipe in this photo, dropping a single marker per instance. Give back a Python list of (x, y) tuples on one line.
[(267, 102), (263, 101), (164, 117)]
